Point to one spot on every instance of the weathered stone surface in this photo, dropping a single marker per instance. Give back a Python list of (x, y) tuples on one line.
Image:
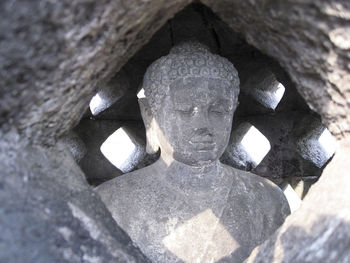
[(253, 67), (300, 35), (110, 93), (313, 141), (75, 145), (53, 55), (283, 160), (48, 212), (188, 207), (320, 230), (263, 87), (63, 51), (305, 37)]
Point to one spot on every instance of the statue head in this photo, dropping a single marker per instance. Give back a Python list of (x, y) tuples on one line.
[(191, 95)]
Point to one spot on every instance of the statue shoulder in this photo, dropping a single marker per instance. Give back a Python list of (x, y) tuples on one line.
[(121, 187), (128, 195), (261, 189), (125, 181)]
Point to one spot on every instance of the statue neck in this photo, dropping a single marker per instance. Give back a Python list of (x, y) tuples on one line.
[(187, 177)]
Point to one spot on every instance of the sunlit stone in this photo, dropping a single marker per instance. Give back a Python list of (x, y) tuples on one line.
[(327, 142), (270, 97), (263, 86), (201, 239), (109, 93), (317, 145)]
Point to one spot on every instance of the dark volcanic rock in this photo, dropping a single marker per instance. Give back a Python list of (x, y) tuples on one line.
[(48, 213), (54, 55), (310, 39), (320, 230)]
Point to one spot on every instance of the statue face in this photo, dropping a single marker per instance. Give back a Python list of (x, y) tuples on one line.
[(196, 119)]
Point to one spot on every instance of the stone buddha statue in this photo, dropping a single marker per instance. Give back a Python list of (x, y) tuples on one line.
[(187, 206)]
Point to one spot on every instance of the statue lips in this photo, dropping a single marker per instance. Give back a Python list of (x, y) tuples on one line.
[(203, 143)]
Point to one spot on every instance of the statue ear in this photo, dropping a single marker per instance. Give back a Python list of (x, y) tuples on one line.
[(152, 145)]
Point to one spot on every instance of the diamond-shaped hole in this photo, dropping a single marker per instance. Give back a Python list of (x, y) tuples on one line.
[(141, 94), (122, 150), (255, 144), (247, 148), (292, 197)]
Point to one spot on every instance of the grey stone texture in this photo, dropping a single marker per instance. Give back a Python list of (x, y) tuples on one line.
[(220, 219), (48, 212), (307, 40), (64, 51), (55, 55), (319, 230), (200, 23), (311, 143), (75, 145), (283, 161), (110, 93), (187, 206)]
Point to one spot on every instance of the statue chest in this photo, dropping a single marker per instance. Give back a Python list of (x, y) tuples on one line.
[(170, 227)]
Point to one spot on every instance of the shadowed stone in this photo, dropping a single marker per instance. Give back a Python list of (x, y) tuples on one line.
[(263, 87), (314, 143), (109, 94), (75, 145)]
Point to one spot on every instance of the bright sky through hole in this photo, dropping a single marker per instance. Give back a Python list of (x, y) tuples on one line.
[(255, 144), (278, 93), (293, 199), (327, 142), (118, 149), (141, 94), (95, 104)]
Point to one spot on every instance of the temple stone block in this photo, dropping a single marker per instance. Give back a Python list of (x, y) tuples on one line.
[(75, 145), (315, 144), (109, 94), (264, 88)]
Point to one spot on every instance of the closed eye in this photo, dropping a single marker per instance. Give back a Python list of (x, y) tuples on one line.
[(185, 110), (220, 110)]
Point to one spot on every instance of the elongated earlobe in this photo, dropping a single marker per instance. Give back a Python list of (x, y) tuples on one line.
[(152, 145)]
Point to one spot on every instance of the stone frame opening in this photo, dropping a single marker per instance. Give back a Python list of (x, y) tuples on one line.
[(61, 65), (260, 77)]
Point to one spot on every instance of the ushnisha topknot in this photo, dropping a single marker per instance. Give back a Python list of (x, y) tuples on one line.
[(188, 59)]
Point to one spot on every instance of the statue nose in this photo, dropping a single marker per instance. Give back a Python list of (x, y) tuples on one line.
[(201, 122)]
